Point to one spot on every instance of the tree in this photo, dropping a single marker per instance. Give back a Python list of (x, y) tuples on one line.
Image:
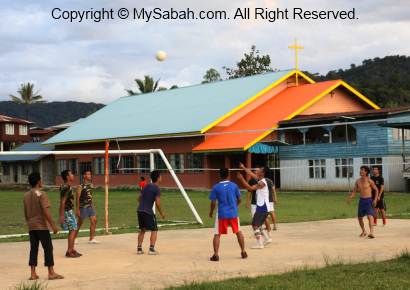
[(148, 85), (252, 63), (27, 96), (211, 75)]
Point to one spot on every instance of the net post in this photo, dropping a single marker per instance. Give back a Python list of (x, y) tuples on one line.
[(152, 168), (181, 188), (107, 147)]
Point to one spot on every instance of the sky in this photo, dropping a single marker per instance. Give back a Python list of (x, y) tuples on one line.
[(96, 62)]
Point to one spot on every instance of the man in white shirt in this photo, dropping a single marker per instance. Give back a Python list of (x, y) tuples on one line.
[(263, 206)]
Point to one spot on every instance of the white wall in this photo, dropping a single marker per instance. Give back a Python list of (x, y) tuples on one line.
[(294, 175)]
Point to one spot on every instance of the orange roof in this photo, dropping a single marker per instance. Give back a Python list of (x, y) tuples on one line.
[(282, 106)]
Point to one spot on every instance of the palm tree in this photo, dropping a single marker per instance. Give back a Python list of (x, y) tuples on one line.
[(146, 85), (27, 96)]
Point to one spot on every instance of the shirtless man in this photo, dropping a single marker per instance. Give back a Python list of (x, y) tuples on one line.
[(366, 204)]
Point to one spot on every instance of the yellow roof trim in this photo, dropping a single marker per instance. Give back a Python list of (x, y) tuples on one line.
[(266, 133), (271, 86), (314, 100), (360, 95)]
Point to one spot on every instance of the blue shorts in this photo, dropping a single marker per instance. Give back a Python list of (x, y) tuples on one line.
[(365, 207), (87, 212), (70, 222)]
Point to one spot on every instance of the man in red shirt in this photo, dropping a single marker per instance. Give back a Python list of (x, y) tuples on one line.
[(142, 183)]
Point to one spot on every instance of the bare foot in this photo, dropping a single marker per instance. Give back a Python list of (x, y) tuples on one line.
[(55, 276), (362, 235), (35, 277)]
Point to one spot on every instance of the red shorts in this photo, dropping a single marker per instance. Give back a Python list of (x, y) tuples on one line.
[(221, 227)]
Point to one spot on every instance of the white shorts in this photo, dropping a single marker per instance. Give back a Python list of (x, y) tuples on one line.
[(272, 206), (253, 209)]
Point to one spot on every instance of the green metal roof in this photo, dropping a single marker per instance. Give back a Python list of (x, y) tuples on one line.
[(186, 109)]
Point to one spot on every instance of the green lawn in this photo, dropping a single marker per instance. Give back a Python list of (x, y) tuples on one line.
[(392, 274), (292, 207)]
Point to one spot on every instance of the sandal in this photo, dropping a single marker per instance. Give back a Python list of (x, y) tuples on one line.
[(214, 258), (55, 277)]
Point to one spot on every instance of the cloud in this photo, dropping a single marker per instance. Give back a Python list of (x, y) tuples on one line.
[(98, 61)]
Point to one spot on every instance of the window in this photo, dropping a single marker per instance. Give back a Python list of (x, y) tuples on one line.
[(73, 165), (195, 161), (98, 163), (9, 129), (372, 161), (159, 163), (339, 134), (397, 134), (113, 165), (6, 169), (293, 137), (62, 165), (23, 130), (143, 163), (128, 162), (317, 135), (26, 169), (317, 169), (177, 162), (344, 167)]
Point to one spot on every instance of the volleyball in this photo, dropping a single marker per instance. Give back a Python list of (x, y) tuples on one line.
[(161, 55)]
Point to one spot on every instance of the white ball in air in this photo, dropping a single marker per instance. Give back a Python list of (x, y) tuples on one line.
[(161, 55)]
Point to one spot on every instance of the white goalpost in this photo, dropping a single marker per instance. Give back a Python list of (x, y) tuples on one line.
[(107, 152)]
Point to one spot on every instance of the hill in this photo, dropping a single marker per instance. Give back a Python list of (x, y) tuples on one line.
[(386, 81), (52, 113)]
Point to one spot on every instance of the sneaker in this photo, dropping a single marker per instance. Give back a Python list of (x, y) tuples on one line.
[(140, 252), (214, 258), (268, 241), (94, 241), (153, 252), (258, 246)]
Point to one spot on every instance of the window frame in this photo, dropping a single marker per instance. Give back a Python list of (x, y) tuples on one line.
[(344, 169), (317, 168)]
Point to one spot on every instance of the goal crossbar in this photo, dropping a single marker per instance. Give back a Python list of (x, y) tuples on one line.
[(115, 152)]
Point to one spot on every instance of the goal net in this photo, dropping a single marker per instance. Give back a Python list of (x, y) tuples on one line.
[(178, 205)]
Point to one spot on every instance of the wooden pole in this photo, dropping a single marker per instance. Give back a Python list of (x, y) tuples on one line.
[(107, 146)]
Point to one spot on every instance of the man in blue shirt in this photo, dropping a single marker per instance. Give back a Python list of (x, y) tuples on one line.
[(147, 221), (228, 196)]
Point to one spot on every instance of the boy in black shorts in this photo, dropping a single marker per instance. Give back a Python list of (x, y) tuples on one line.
[(380, 203), (147, 221)]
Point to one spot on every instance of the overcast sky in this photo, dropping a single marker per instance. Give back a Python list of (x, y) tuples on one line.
[(96, 62)]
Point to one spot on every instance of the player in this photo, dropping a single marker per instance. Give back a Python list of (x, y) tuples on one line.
[(365, 185), (85, 206), (228, 196), (142, 183), (380, 203), (146, 218), (67, 216), (262, 203), (273, 200), (38, 217)]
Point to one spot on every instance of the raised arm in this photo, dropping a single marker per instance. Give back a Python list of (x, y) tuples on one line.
[(248, 171), (245, 184)]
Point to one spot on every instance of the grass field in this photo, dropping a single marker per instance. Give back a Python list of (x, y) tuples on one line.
[(392, 274), (292, 207)]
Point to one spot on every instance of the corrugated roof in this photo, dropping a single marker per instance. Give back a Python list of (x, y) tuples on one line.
[(8, 119), (187, 109), (35, 146)]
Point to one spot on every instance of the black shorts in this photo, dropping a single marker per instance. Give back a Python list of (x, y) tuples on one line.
[(381, 204), (259, 218), (147, 222)]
